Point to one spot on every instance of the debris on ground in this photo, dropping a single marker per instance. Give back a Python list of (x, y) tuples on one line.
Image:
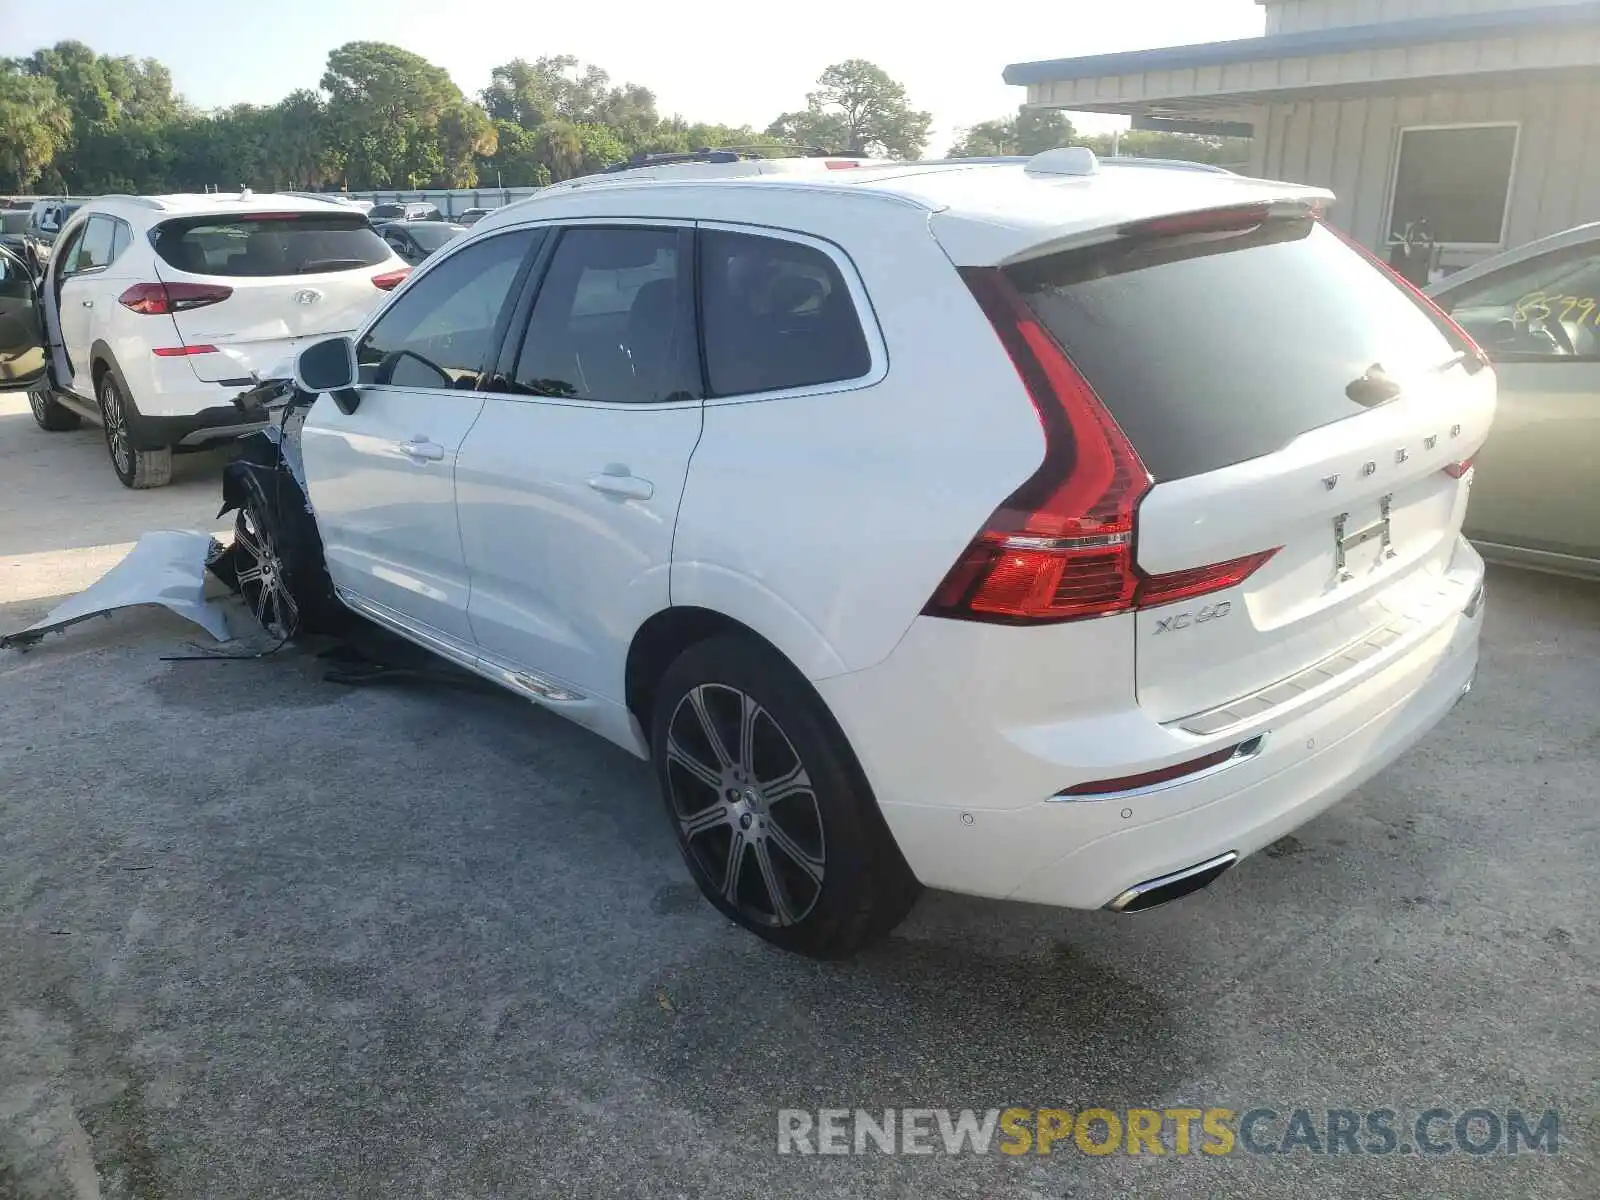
[(165, 567)]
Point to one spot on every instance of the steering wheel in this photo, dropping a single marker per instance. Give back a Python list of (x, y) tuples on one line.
[(1557, 332)]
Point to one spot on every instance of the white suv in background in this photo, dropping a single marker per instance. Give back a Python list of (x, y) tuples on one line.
[(1035, 529), (160, 309)]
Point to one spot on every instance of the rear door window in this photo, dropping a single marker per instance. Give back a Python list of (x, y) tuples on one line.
[(270, 244), (777, 314), (1213, 348)]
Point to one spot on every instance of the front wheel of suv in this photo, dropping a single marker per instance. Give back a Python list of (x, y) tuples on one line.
[(135, 468), (51, 414), (772, 813), (276, 559)]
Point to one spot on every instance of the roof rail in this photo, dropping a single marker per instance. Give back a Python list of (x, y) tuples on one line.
[(1176, 164), (704, 154), (728, 154), (141, 201)]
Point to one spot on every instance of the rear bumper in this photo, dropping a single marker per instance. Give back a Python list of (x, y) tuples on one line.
[(969, 799), (194, 429)]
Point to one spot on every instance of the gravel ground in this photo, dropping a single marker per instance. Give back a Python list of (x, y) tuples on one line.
[(265, 935)]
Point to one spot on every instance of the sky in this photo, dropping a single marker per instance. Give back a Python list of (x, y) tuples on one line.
[(709, 60)]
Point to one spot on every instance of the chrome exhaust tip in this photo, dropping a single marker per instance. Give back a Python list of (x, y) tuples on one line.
[(1164, 889)]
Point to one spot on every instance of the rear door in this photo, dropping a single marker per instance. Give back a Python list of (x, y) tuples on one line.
[(382, 479), (271, 283), (1290, 401), (568, 486), (1535, 485)]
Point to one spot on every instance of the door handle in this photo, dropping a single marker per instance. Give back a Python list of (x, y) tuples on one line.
[(420, 449), (616, 480), (88, 303)]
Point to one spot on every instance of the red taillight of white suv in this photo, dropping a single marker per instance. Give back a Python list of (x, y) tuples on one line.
[(1060, 547), (160, 299), (390, 280)]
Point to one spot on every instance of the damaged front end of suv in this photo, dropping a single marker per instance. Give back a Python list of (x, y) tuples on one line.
[(275, 562)]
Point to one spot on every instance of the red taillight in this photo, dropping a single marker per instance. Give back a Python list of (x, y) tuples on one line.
[(1198, 581), (1457, 469), (840, 164), (159, 299), (390, 280), (1061, 546), (182, 351)]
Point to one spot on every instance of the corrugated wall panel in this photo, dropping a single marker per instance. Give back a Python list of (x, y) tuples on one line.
[(1324, 136), (1537, 169), (1372, 185), (1346, 177)]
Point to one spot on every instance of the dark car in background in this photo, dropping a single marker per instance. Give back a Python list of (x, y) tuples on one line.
[(472, 216), (49, 217), (410, 210), (416, 240)]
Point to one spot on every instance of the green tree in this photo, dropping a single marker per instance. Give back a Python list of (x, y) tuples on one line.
[(1032, 130), (393, 119), (35, 126), (856, 107), (1188, 147), (120, 108)]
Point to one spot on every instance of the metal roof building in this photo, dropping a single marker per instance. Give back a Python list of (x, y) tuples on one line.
[(1480, 116)]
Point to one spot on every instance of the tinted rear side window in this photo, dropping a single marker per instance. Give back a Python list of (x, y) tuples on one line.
[(776, 314), (273, 244), (1210, 349)]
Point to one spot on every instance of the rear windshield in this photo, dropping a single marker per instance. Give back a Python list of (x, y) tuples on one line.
[(430, 235), (1210, 349), (272, 244), (387, 210)]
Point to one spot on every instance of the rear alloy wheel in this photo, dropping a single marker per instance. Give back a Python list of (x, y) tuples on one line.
[(135, 468), (51, 415), (771, 812)]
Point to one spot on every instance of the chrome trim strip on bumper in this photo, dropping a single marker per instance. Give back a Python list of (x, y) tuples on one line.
[(217, 433), (1162, 882), (1337, 669), (1243, 752)]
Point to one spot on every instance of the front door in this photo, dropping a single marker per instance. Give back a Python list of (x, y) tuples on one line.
[(1535, 485), (382, 478), (22, 339), (1536, 482), (568, 486)]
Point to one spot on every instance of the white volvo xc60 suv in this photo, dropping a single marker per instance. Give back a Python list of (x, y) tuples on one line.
[(1042, 529)]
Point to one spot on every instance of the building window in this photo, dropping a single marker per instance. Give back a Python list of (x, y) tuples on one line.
[(1458, 180)]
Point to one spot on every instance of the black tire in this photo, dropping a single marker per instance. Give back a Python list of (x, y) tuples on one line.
[(816, 870), (276, 559), (51, 414), (136, 469)]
